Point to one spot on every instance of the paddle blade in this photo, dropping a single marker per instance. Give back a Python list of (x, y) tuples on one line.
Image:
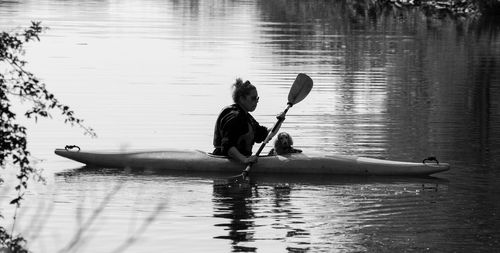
[(300, 88)]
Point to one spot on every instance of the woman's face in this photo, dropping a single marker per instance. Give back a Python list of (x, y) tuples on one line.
[(249, 102)]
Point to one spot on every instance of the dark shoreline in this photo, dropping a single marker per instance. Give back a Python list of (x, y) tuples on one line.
[(431, 8), (457, 8)]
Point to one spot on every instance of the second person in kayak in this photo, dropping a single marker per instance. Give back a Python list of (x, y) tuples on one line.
[(235, 129)]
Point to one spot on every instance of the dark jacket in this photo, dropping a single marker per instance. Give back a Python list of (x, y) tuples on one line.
[(236, 128)]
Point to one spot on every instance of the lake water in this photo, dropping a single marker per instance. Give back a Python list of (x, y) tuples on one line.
[(150, 74)]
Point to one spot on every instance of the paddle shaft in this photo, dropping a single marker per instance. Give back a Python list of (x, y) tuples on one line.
[(273, 132)]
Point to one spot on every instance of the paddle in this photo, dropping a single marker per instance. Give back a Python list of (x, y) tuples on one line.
[(299, 90)]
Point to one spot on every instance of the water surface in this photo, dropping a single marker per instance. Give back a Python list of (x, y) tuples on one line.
[(155, 74)]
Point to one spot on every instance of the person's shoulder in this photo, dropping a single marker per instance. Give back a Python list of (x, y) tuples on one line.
[(229, 108), (231, 111)]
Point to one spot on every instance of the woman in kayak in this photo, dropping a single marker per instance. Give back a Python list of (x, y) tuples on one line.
[(235, 129)]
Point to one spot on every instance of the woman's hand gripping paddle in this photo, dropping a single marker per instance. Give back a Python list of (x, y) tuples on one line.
[(299, 90)]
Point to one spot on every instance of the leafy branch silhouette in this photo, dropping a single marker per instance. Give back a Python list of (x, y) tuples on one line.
[(17, 82)]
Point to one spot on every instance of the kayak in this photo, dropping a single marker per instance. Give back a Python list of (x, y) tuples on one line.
[(296, 163)]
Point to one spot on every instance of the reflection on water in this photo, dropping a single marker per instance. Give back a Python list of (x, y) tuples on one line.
[(239, 219), (344, 214), (387, 83), (280, 214), (352, 214)]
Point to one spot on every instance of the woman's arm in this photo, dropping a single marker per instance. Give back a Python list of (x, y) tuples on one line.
[(235, 154)]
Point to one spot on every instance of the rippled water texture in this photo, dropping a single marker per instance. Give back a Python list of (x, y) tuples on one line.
[(154, 75)]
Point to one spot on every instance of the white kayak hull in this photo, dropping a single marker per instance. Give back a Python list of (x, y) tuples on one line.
[(298, 163)]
